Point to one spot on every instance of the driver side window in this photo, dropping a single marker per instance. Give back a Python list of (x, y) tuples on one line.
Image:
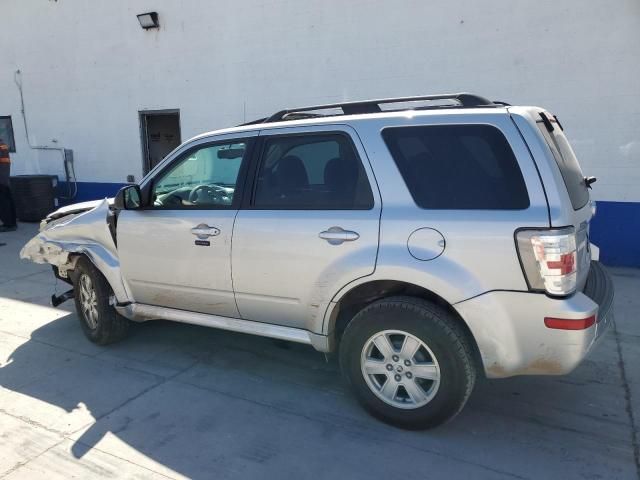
[(204, 177)]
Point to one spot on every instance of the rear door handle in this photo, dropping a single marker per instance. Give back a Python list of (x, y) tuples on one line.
[(338, 235), (203, 231)]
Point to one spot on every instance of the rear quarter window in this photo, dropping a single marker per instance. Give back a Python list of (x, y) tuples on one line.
[(567, 162), (458, 167)]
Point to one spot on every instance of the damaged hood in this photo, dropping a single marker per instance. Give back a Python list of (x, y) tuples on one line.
[(77, 208), (80, 229)]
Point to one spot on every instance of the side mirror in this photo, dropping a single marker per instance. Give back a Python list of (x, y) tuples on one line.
[(128, 198)]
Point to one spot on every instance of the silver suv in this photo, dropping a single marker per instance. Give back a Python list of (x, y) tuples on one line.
[(426, 240)]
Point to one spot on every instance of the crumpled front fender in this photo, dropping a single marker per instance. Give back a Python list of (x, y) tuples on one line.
[(85, 233)]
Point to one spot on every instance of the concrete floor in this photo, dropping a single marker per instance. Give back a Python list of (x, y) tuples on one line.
[(183, 401)]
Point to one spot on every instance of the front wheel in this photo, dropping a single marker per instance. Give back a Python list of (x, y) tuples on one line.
[(99, 320), (408, 362)]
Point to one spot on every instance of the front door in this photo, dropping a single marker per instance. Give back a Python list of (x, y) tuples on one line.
[(176, 252), (311, 226)]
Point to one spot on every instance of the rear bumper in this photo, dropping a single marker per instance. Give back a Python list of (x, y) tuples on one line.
[(599, 288), (513, 339)]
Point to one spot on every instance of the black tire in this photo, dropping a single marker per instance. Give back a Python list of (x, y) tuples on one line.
[(108, 326), (438, 330)]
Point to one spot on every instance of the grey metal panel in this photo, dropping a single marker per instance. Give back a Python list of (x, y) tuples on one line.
[(283, 272), (480, 252), (163, 265)]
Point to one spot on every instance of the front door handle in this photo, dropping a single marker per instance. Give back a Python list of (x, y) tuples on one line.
[(337, 235), (203, 231)]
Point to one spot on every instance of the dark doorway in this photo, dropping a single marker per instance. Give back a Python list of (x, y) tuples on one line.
[(160, 135)]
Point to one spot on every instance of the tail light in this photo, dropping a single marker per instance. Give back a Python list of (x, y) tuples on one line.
[(549, 259)]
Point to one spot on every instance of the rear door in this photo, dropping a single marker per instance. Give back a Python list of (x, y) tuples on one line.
[(310, 225)]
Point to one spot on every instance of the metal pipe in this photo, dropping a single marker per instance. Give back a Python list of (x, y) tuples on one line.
[(17, 78)]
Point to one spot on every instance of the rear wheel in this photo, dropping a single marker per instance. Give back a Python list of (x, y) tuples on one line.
[(99, 320), (408, 362)]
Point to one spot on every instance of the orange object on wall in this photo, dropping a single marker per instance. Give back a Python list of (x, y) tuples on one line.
[(4, 153)]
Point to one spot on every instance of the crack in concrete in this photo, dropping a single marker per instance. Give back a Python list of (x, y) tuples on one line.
[(96, 420), (27, 461), (100, 356), (31, 423), (121, 458), (52, 345), (135, 397), (22, 277), (352, 428), (628, 407)]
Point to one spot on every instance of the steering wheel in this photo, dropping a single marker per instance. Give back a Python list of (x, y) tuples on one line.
[(215, 192)]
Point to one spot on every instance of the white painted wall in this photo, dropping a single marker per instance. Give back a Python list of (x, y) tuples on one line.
[(88, 68)]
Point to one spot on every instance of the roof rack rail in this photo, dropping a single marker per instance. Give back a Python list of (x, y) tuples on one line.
[(465, 100), (253, 122)]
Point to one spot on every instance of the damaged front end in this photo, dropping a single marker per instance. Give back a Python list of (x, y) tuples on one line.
[(82, 229)]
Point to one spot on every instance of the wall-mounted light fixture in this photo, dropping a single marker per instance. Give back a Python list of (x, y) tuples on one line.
[(149, 20)]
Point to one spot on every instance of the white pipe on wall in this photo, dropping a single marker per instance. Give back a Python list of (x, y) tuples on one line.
[(18, 80)]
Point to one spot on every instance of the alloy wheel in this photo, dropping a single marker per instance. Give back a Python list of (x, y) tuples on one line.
[(400, 369), (88, 301)]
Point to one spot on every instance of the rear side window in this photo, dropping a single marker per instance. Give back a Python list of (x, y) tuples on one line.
[(458, 167), (567, 162), (311, 172)]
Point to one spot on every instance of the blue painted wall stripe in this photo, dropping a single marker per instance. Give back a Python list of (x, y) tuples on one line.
[(615, 229)]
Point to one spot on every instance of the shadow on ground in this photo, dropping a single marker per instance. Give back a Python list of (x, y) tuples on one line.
[(179, 400), (196, 400)]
